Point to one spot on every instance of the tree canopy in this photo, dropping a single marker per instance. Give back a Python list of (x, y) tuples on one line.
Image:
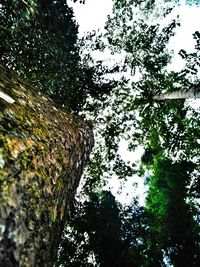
[(39, 41)]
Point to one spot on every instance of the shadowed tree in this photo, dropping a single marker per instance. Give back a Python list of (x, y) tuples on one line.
[(102, 232)]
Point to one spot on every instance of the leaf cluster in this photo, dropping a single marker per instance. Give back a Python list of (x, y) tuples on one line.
[(39, 41)]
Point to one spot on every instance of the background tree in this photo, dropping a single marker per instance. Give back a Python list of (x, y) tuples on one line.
[(158, 126), (103, 233), (161, 127)]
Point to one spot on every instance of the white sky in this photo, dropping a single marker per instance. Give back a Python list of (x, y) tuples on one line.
[(190, 22), (92, 16)]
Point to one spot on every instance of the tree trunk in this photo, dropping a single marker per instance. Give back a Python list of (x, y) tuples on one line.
[(42, 154), (182, 94)]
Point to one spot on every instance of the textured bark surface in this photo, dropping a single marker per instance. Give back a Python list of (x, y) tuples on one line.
[(42, 153), (182, 94)]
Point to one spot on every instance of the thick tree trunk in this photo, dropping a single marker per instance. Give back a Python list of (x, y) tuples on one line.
[(42, 153), (182, 94)]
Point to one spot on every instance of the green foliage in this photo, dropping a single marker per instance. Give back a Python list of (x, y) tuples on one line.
[(39, 41), (172, 218), (167, 129), (104, 232), (162, 124), (167, 229)]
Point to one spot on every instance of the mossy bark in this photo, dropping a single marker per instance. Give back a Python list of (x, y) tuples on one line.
[(43, 150)]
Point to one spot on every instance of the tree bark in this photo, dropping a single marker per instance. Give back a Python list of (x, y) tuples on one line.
[(182, 94), (43, 150)]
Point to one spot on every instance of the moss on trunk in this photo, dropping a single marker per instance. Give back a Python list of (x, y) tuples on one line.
[(43, 150)]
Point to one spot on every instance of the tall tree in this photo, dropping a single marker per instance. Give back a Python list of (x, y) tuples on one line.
[(147, 56), (42, 153), (48, 29), (160, 126)]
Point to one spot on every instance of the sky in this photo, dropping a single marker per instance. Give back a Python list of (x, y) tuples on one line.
[(190, 22), (92, 16)]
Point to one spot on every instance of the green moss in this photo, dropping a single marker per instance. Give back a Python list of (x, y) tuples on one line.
[(3, 174), (5, 189)]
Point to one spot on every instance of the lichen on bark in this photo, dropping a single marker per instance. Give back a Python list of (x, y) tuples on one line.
[(43, 150)]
